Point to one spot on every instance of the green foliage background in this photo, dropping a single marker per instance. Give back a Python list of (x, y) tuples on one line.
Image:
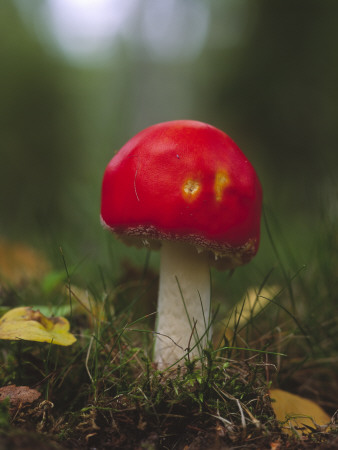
[(267, 75)]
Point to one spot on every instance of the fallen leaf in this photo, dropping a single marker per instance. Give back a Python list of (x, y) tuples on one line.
[(82, 302), (297, 413), (25, 323), (254, 301), (19, 262), (248, 307), (18, 394)]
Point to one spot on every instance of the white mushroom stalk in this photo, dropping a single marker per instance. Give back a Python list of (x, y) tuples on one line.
[(183, 325)]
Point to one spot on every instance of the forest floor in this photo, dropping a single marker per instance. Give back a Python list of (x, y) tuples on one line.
[(104, 392)]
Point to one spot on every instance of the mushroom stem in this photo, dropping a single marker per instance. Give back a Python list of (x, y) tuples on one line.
[(183, 304)]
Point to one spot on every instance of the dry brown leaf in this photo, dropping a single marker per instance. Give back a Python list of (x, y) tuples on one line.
[(19, 262), (19, 394)]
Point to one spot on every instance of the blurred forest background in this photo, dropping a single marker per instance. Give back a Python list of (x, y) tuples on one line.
[(79, 78)]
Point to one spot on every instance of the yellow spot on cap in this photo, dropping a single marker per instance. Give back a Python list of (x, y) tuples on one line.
[(191, 190), (221, 182)]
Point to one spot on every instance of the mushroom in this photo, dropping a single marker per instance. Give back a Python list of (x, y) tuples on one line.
[(186, 187)]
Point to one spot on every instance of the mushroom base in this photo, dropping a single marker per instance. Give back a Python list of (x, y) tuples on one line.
[(183, 325)]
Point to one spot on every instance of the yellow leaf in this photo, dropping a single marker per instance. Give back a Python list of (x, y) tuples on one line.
[(246, 309), (24, 323), (84, 302), (297, 413), (253, 302)]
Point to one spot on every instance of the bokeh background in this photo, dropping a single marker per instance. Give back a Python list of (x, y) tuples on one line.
[(79, 78)]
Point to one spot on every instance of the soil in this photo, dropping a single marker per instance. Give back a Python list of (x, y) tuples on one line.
[(192, 440)]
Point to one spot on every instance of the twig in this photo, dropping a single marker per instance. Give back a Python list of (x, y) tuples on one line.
[(87, 358)]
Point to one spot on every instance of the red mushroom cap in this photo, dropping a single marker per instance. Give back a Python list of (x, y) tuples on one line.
[(185, 180)]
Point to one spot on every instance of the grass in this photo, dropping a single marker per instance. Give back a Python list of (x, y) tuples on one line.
[(104, 392)]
